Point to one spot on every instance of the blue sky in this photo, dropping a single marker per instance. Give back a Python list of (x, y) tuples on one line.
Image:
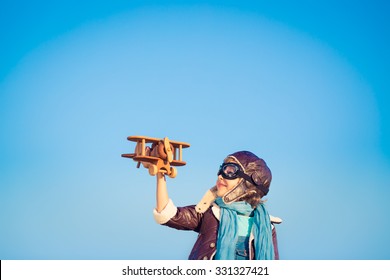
[(303, 85)]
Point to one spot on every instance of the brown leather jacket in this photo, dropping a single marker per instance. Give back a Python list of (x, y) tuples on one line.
[(206, 224)]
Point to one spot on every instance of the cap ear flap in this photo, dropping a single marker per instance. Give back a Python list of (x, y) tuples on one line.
[(236, 193)]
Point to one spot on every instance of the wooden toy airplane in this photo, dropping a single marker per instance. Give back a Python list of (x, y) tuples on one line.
[(160, 157)]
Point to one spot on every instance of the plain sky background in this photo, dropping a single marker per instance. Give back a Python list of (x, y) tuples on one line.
[(302, 84)]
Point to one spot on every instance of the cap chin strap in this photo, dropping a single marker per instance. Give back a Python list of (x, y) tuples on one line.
[(236, 193)]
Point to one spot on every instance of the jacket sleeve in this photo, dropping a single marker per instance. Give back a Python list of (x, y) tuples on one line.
[(182, 218)]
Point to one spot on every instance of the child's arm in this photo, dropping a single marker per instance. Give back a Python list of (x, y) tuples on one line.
[(162, 197), (166, 213)]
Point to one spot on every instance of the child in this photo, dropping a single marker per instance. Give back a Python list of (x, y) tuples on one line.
[(231, 218)]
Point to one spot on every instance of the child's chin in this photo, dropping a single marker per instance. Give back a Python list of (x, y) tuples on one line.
[(220, 193)]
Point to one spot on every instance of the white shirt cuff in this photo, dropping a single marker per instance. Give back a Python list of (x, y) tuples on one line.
[(166, 214)]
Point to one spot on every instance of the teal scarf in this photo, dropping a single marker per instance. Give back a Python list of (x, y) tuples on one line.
[(228, 233)]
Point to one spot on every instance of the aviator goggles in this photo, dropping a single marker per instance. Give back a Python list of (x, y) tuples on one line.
[(231, 171)]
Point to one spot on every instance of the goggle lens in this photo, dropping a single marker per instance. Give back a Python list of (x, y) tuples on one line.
[(229, 170)]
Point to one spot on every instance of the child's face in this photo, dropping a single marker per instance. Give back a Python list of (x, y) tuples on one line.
[(225, 185)]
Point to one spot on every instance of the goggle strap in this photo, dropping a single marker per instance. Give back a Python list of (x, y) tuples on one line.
[(249, 179)]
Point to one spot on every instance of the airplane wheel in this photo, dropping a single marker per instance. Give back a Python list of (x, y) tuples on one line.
[(173, 172), (152, 170)]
